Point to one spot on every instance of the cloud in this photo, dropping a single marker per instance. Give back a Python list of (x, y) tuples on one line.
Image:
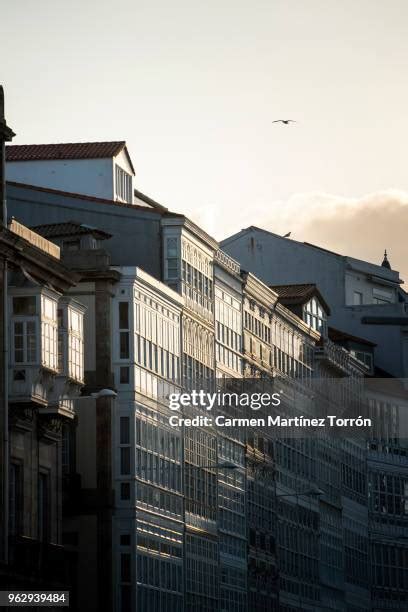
[(360, 227)]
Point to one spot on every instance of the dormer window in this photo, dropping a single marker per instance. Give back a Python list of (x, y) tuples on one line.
[(123, 185), (315, 316)]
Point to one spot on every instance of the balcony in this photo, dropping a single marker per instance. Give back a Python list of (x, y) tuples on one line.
[(30, 384), (337, 357)]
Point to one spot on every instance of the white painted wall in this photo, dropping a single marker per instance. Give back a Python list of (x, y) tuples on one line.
[(122, 161), (93, 177)]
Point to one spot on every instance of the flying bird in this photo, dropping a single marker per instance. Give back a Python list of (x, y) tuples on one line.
[(285, 121), (287, 235)]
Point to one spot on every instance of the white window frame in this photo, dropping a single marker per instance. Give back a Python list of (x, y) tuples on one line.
[(49, 334), (75, 346), (123, 184), (24, 321)]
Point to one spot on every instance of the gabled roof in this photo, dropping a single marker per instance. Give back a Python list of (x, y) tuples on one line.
[(69, 228), (69, 150), (299, 294)]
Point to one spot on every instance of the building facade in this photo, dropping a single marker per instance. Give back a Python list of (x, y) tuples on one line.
[(44, 376), (288, 524), (366, 300)]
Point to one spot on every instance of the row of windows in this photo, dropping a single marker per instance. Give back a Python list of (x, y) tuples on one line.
[(302, 589), (159, 500), (232, 600), (228, 336), (331, 555), (200, 448), (195, 373), (154, 546), (61, 342), (231, 499), (197, 258), (153, 531), (234, 547), (158, 470), (354, 479), (291, 343), (161, 573), (159, 601), (233, 577), (201, 492), (298, 565), (231, 521), (260, 504), (198, 342), (156, 358), (197, 286), (197, 280), (356, 566), (151, 385), (201, 570), (230, 450), (227, 299), (155, 327), (228, 358), (262, 540), (156, 306), (290, 366), (297, 456), (228, 324), (388, 494), (390, 565), (158, 439), (258, 328)]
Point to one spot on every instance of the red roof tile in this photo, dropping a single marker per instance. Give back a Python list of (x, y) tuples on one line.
[(72, 150), (299, 294), (294, 291), (69, 228)]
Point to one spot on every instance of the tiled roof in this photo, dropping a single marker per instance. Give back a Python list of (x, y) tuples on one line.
[(299, 294), (69, 228), (294, 291), (71, 150)]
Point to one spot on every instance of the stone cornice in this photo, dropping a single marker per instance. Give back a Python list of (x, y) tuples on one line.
[(259, 291), (39, 264)]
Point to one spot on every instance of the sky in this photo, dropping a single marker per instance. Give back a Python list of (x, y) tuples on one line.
[(193, 87)]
